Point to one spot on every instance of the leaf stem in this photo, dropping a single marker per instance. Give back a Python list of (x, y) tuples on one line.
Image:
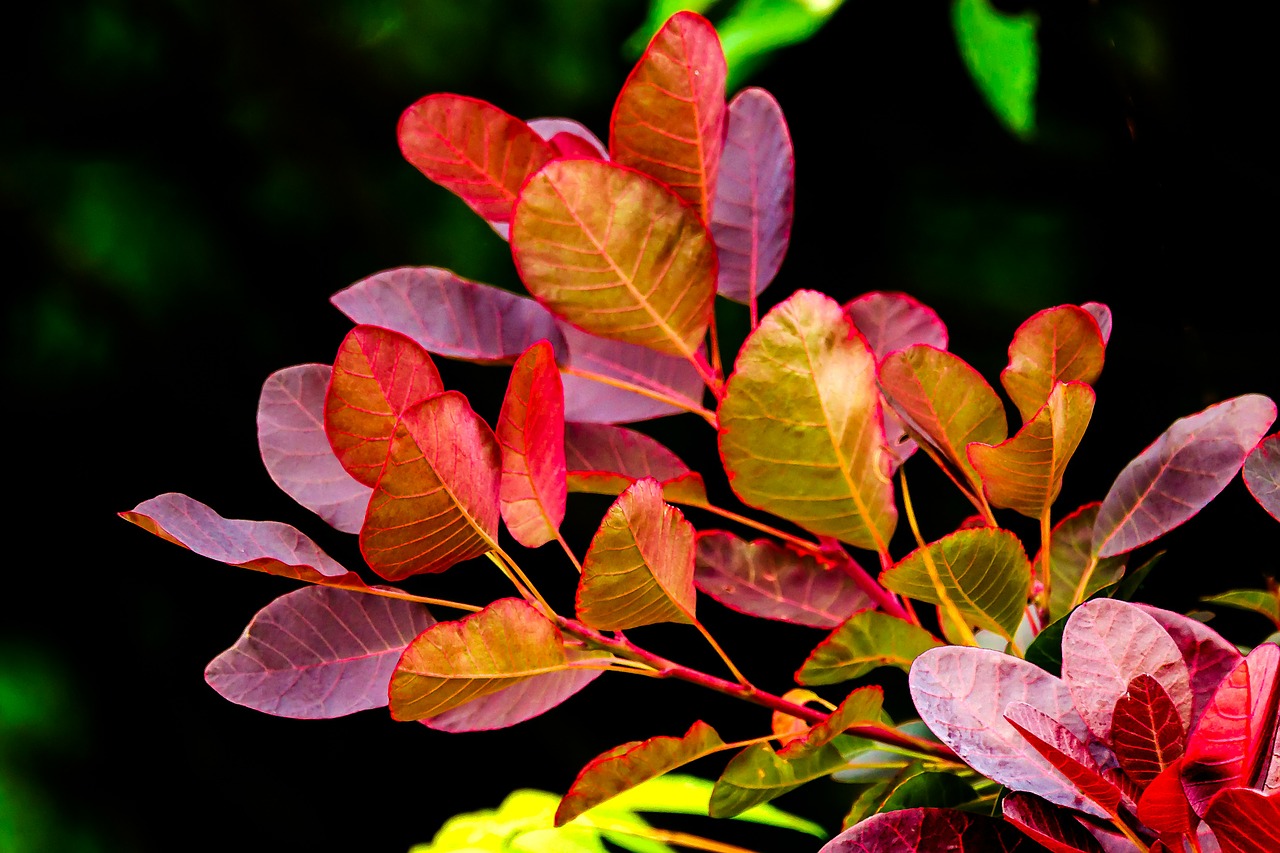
[(688, 405), (714, 345), (1046, 540), (737, 673), (953, 612), (886, 600), (568, 552), (708, 374), (389, 592), (523, 585), (755, 525)]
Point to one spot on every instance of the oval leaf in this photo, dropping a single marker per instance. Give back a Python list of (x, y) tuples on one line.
[(1062, 344), (604, 460), (1209, 657), (669, 118), (800, 432), (1147, 735), (1003, 57), (296, 450), (754, 201), (867, 640), (590, 400), (892, 321), (317, 653), (437, 501), (1262, 474), (1184, 469), (763, 579), (522, 701), (639, 567), (473, 149), (930, 831), (531, 435)]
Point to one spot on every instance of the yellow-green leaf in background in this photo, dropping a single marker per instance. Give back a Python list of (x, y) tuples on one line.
[(1002, 56)]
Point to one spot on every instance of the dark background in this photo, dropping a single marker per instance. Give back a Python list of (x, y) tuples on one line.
[(185, 184)]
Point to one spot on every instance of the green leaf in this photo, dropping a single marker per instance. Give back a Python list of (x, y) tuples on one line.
[(867, 640), (1045, 650), (758, 774), (678, 794), (983, 573), (1003, 58), (756, 28), (1265, 602), (800, 431), (873, 797), (936, 790), (861, 707)]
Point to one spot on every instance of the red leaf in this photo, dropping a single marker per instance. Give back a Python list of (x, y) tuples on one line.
[(296, 450), (603, 459), (754, 204), (765, 580), (377, 375), (1164, 807), (1054, 827), (264, 546), (669, 118), (531, 435), (437, 501), (1180, 473), (317, 653), (1209, 658), (591, 401), (473, 149), (449, 315), (1066, 752), (1262, 474), (1146, 734), (1246, 821), (569, 138), (891, 321), (930, 831)]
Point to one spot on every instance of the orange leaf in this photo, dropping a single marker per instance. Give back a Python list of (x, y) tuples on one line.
[(531, 434)]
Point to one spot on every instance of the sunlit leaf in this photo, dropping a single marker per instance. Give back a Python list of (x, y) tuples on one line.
[(799, 431), (758, 774), (771, 582), (1025, 473), (264, 546), (569, 138), (1054, 827), (437, 501), (1066, 752), (1003, 58), (983, 573), (754, 201), (788, 728), (449, 315), (1262, 474), (867, 640), (669, 119), (317, 653), (377, 375), (626, 766), (1246, 821), (931, 831), (1184, 469), (639, 567), (592, 401), (1062, 344), (296, 450), (1147, 735), (530, 434), (1208, 656), (678, 794), (453, 663), (1072, 577), (473, 149), (604, 459), (616, 254), (862, 707)]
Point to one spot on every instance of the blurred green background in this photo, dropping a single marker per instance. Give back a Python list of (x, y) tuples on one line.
[(185, 183)]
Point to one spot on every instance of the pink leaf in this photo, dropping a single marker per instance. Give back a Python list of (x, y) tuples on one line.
[(449, 315), (930, 831), (962, 693), (763, 579), (515, 704), (1054, 827), (1102, 314), (569, 138), (1066, 752), (1180, 473), (754, 204), (296, 450), (891, 321), (604, 459), (1209, 658), (531, 435), (317, 653), (1246, 821), (591, 401), (1262, 474)]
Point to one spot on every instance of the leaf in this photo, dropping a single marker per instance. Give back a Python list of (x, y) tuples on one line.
[(862, 707), (531, 437), (1025, 473), (296, 450), (615, 254), (799, 429), (1233, 744), (377, 375), (1209, 658), (569, 138), (1045, 650), (943, 790), (758, 774), (1147, 735), (982, 572), (962, 693), (473, 149), (436, 503), (639, 567), (1050, 825), (449, 315), (1102, 315), (669, 119), (453, 663), (603, 459), (1265, 602), (1184, 469), (521, 701), (1246, 821), (1105, 646), (626, 766), (771, 582), (1072, 577), (1002, 57), (867, 640), (892, 321), (946, 404), (678, 794), (591, 401), (1262, 474), (1062, 344), (264, 546), (317, 653), (754, 199), (1066, 752), (930, 831), (1163, 806)]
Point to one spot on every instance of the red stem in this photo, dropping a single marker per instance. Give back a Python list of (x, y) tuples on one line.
[(887, 601)]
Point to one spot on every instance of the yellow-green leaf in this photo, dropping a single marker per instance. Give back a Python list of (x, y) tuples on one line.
[(758, 774), (867, 640)]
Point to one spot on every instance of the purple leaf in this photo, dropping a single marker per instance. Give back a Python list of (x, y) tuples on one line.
[(317, 653), (590, 401), (891, 321), (570, 138), (1209, 658), (515, 704), (296, 451), (1262, 474), (754, 202), (449, 315), (1101, 313), (962, 694), (766, 580), (930, 831), (604, 459), (1184, 469)]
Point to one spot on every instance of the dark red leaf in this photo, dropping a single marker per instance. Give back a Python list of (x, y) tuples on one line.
[(1146, 734), (1163, 806), (930, 831), (1066, 752), (1246, 821), (1053, 826)]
